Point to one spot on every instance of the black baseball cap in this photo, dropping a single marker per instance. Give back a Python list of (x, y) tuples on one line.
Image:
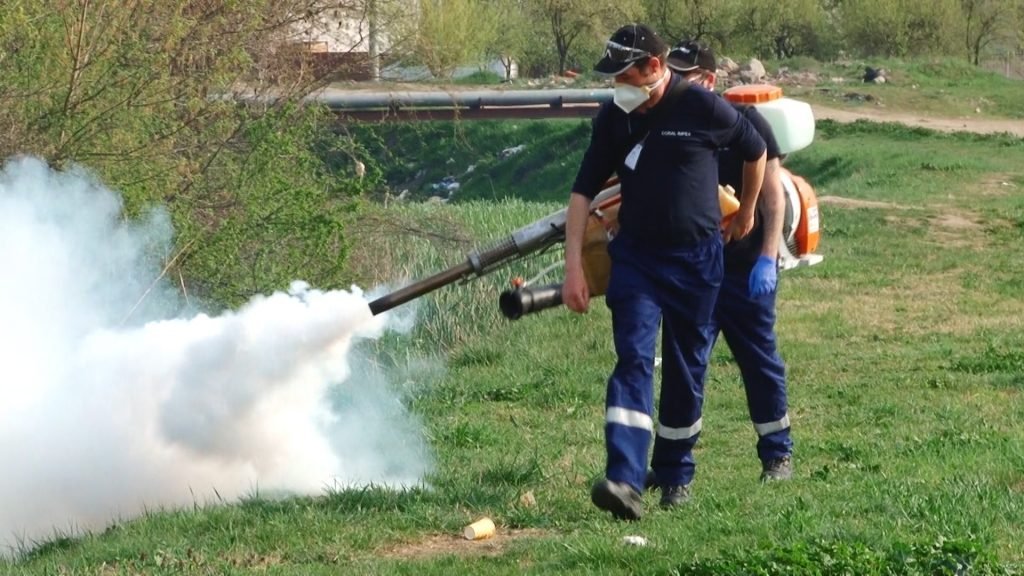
[(689, 55), (627, 46)]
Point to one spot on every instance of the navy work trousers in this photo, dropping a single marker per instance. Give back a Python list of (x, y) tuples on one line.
[(748, 325), (648, 287)]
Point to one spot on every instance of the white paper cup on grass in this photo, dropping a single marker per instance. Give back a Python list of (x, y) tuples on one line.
[(482, 528), (635, 540)]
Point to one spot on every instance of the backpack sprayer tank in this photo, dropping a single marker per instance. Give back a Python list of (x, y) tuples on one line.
[(792, 123)]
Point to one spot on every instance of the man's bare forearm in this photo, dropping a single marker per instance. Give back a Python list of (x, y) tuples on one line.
[(773, 206), (575, 226), (753, 178)]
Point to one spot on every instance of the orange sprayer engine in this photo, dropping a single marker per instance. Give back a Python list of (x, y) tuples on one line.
[(801, 225)]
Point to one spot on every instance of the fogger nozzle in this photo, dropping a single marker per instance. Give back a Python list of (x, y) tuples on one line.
[(517, 303)]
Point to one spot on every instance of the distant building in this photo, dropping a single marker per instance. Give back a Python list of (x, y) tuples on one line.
[(337, 30), (343, 42)]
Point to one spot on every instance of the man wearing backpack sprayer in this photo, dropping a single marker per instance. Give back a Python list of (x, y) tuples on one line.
[(661, 137), (745, 309)]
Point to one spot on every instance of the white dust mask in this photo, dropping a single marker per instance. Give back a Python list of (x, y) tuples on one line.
[(629, 97)]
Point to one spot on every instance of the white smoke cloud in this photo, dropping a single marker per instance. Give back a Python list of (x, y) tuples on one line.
[(110, 406)]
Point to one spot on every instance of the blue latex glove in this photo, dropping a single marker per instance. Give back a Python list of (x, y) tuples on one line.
[(764, 277)]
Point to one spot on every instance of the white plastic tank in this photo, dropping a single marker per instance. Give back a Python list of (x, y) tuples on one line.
[(792, 121)]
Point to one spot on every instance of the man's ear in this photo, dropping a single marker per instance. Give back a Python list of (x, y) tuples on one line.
[(653, 65), (657, 64)]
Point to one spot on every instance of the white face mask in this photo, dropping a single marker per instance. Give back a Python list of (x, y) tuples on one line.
[(629, 97)]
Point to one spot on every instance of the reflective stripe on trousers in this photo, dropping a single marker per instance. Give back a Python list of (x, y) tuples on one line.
[(674, 289), (748, 326)]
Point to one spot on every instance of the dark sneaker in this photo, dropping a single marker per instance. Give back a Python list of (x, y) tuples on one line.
[(777, 469), (651, 481), (672, 496), (618, 498)]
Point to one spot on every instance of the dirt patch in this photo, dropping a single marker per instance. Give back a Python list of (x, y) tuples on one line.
[(856, 203), (1017, 485), (955, 222), (977, 125), (997, 185), (447, 544), (251, 560), (916, 305), (947, 228), (951, 229)]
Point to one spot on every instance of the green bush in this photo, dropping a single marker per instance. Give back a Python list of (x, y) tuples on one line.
[(258, 193)]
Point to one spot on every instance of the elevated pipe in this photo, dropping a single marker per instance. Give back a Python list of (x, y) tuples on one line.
[(464, 105), (379, 106), (341, 100), (486, 113)]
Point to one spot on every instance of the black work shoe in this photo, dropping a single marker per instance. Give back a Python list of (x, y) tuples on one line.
[(672, 496), (618, 498), (651, 481), (777, 469)]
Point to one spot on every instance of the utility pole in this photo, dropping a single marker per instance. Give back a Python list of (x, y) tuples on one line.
[(374, 47)]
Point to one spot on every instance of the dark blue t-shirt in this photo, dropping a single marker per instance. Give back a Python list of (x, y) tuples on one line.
[(740, 255), (670, 195)]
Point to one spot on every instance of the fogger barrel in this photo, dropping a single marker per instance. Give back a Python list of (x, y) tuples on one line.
[(528, 239), (413, 291)]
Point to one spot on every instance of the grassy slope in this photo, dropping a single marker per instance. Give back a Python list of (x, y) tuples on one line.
[(944, 88), (905, 360), (471, 152)]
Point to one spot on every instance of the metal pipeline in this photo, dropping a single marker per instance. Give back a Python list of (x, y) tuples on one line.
[(349, 105), (340, 100), (366, 105)]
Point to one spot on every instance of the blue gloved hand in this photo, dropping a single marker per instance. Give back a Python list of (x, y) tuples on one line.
[(764, 277)]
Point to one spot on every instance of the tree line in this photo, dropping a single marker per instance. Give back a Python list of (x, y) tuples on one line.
[(553, 36)]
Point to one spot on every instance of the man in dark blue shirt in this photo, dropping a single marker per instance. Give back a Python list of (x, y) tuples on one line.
[(661, 137), (745, 310)]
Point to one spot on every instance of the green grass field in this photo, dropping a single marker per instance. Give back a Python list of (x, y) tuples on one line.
[(905, 351)]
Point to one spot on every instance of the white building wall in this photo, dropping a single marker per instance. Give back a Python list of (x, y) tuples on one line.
[(347, 30), (338, 30)]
